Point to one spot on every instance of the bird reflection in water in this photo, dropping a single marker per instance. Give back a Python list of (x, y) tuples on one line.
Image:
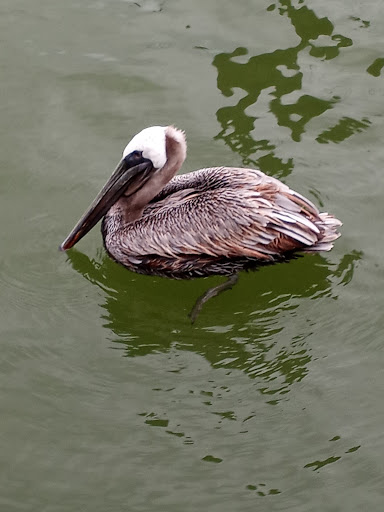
[(249, 324)]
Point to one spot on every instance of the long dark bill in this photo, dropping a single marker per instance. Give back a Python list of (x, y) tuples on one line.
[(126, 178)]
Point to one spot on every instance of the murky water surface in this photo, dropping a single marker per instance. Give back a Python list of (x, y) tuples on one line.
[(110, 398)]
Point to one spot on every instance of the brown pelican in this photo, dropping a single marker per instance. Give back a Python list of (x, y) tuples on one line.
[(211, 221)]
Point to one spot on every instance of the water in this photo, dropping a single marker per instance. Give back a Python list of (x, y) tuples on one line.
[(111, 399)]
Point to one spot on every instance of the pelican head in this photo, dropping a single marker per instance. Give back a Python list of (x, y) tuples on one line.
[(150, 142), (149, 161)]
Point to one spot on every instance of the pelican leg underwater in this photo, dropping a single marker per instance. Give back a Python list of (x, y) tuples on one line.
[(217, 220)]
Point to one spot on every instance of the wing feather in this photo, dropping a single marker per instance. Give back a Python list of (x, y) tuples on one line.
[(224, 212)]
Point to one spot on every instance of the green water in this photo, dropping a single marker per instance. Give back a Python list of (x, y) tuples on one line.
[(110, 398)]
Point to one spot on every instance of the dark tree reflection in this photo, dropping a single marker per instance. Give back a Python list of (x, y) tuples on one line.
[(278, 72)]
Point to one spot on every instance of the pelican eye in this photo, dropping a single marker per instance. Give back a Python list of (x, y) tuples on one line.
[(134, 158)]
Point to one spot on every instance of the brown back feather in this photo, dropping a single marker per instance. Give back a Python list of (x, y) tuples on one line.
[(221, 212)]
